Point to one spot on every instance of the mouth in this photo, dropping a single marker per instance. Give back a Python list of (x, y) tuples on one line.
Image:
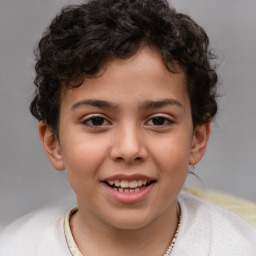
[(129, 186)]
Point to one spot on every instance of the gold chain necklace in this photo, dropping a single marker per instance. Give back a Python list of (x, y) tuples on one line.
[(169, 250)]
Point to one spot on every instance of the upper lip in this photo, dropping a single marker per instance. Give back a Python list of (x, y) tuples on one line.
[(129, 177)]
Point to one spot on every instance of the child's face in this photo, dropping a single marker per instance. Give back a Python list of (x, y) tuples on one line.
[(133, 123)]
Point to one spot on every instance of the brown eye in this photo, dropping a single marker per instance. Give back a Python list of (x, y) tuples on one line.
[(96, 121), (159, 120)]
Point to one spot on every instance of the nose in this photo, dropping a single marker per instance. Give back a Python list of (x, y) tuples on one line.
[(128, 145)]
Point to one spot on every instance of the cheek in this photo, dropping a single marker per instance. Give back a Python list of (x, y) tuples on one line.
[(172, 154), (173, 168), (83, 150), (82, 159)]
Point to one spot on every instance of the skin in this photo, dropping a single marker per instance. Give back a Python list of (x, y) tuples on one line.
[(129, 140)]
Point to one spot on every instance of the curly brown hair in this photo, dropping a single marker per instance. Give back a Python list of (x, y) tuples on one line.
[(82, 38)]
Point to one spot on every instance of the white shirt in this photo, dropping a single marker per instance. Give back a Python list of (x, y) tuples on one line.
[(205, 230)]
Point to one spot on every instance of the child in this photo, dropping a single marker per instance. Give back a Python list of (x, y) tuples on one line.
[(125, 97)]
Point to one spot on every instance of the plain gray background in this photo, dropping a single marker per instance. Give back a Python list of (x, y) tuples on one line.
[(28, 181)]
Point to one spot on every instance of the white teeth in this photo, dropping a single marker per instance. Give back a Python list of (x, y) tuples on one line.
[(133, 184), (139, 183), (117, 183), (144, 182), (124, 183), (127, 190), (127, 184)]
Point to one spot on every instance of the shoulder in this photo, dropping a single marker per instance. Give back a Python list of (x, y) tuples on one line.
[(215, 230), (35, 234)]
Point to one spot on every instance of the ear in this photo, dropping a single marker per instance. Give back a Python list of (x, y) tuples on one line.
[(51, 145), (199, 143)]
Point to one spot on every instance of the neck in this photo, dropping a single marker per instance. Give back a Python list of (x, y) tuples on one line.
[(95, 237)]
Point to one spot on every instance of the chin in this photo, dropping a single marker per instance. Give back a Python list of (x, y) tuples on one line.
[(130, 221), (129, 225)]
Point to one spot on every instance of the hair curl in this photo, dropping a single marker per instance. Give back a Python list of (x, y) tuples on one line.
[(82, 38)]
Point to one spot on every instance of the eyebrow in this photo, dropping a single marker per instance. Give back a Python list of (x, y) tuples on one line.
[(95, 103), (160, 103), (150, 104)]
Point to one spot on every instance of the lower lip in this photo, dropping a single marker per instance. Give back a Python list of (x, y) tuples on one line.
[(133, 197)]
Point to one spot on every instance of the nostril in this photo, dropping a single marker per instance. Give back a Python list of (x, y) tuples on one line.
[(138, 158), (119, 158)]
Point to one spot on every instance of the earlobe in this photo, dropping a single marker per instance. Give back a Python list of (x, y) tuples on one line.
[(51, 145), (199, 143)]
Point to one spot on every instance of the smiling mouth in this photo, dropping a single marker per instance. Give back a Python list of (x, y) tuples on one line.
[(131, 186)]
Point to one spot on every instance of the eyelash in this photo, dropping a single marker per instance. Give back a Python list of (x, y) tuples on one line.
[(167, 121), (94, 117)]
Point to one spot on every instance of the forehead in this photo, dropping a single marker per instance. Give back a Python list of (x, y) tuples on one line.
[(142, 77)]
